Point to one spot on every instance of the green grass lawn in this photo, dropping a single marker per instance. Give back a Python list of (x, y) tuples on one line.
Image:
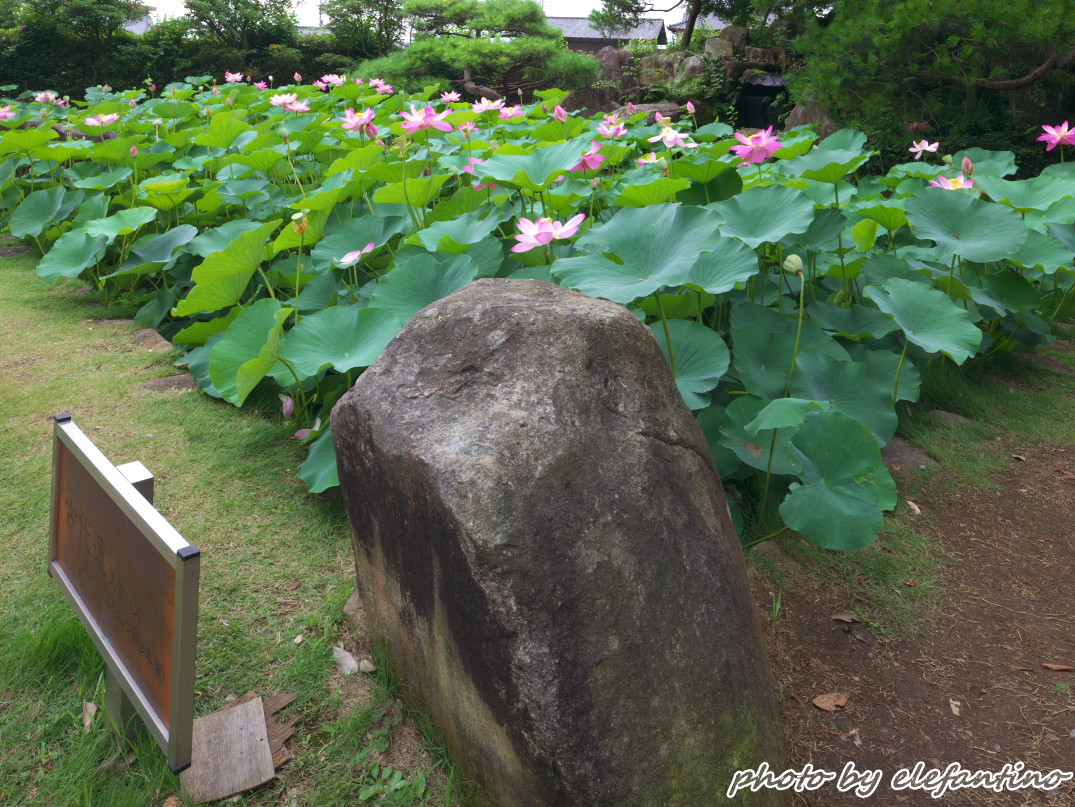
[(225, 478)]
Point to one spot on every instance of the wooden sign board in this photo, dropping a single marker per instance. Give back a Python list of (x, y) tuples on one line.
[(132, 580)]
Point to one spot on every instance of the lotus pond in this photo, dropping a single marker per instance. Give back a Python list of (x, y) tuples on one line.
[(282, 237)]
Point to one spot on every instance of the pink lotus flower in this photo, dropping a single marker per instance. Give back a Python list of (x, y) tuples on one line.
[(922, 146), (354, 255), (132, 103), (559, 113), (613, 131), (101, 120), (261, 85), (298, 106), (287, 406), (612, 119), (232, 78), (509, 112), (320, 85), (690, 107), (672, 138), (334, 79), (301, 434), (758, 147), (380, 86), (47, 97), (630, 108), (298, 77), (427, 118), (470, 170), (649, 159), (661, 120), (354, 122), (152, 87), (543, 231), (283, 99), (485, 105), (591, 159), (1058, 136), (449, 97), (216, 90), (952, 184), (967, 166)]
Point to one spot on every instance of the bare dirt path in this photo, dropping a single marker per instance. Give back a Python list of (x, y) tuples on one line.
[(971, 685)]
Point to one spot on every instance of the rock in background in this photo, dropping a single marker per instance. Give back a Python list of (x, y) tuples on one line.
[(544, 548)]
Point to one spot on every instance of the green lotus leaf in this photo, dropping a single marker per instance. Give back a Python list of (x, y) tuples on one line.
[(222, 133), (319, 471), (417, 192), (537, 170), (730, 263), (1036, 193), (221, 279), (783, 413), (885, 365), (38, 211), (104, 180), (420, 280), (987, 163), (657, 248), (850, 387), (888, 213), (289, 237), (1044, 252), (351, 234), (218, 238), (701, 358), (753, 448), (18, 140), (341, 337), (157, 252), (965, 226), (249, 347), (828, 165), (843, 140), (1005, 292), (762, 360), (856, 322), (459, 233), (928, 318), (765, 214), (122, 223), (199, 333), (1064, 232), (656, 192), (822, 233), (811, 338), (71, 255), (845, 485), (709, 420), (702, 168)]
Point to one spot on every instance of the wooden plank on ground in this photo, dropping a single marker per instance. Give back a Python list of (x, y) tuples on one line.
[(278, 733), (230, 754)]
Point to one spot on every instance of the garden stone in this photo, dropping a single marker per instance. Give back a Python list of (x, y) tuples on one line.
[(904, 458), (949, 418), (183, 382), (802, 115), (760, 55), (151, 340), (543, 547), (672, 111), (691, 67), (737, 35), (717, 48)]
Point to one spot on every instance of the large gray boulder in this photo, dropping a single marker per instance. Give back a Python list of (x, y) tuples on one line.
[(543, 546)]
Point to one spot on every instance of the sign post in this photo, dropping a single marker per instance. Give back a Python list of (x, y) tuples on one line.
[(133, 581)]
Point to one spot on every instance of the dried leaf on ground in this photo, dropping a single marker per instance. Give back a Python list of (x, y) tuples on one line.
[(914, 508), (345, 662), (367, 666), (1019, 457), (89, 711), (846, 616), (832, 701), (955, 706), (297, 639), (1058, 667), (294, 584)]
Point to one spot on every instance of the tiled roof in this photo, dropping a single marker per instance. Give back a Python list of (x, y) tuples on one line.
[(711, 21), (582, 28)]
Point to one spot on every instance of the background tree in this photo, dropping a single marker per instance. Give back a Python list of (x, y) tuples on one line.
[(242, 26), (9, 13), (364, 28), (620, 16), (968, 69), (492, 49)]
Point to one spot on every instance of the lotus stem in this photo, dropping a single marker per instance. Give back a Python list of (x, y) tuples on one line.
[(765, 538), (667, 333), (899, 369)]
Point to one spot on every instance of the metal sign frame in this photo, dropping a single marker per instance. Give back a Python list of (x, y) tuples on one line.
[(173, 732)]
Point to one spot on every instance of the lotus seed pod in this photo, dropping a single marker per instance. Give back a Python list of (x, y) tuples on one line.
[(793, 263)]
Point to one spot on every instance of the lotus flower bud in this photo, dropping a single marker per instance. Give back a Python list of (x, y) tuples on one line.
[(152, 87), (630, 108), (134, 151), (216, 90), (968, 166), (229, 102), (132, 103), (298, 77), (287, 406), (690, 107), (793, 263), (559, 113), (271, 79)]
